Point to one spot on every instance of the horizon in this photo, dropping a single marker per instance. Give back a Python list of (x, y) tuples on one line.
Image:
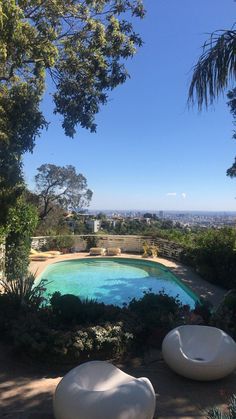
[(158, 210)]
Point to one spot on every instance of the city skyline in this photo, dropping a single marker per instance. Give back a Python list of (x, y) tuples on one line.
[(150, 150)]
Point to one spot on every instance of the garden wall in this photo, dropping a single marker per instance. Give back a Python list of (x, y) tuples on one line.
[(129, 244)]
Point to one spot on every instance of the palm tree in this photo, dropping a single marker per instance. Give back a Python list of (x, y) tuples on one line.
[(215, 69)]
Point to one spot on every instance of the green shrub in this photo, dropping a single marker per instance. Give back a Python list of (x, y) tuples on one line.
[(69, 308), (213, 256), (91, 241), (22, 220), (224, 316), (23, 292), (204, 310), (158, 314), (34, 338), (59, 243), (156, 309), (66, 307)]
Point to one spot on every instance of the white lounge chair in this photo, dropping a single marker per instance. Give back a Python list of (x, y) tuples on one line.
[(35, 255), (199, 352), (113, 251), (97, 251), (99, 390)]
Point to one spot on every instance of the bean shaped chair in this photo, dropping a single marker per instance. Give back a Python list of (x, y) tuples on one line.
[(199, 352), (99, 390), (97, 251)]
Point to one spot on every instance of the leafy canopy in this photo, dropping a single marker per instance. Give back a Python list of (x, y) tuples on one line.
[(213, 72), (82, 45), (215, 68), (62, 186)]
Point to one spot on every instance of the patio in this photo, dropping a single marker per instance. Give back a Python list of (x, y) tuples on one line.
[(27, 389)]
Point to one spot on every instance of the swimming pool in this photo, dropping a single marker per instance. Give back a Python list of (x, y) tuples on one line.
[(114, 281)]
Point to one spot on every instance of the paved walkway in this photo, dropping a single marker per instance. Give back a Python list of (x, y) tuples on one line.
[(26, 391)]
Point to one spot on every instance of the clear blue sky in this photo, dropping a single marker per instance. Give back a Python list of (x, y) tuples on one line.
[(150, 151)]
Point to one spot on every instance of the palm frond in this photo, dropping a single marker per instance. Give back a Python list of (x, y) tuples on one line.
[(215, 69)]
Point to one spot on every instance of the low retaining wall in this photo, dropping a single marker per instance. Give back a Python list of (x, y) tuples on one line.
[(127, 244)]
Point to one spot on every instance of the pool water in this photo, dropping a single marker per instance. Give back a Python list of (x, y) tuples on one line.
[(114, 281)]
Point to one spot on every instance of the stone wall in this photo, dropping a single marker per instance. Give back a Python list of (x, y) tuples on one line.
[(127, 244)]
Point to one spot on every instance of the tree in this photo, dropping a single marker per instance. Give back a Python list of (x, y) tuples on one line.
[(21, 225), (82, 46), (215, 68), (61, 186)]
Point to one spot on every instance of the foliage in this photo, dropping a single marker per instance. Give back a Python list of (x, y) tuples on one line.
[(216, 413), (224, 316), (23, 291), (149, 250), (157, 315), (34, 338), (203, 308), (70, 329), (214, 71), (69, 308), (20, 124), (54, 224), (62, 186), (59, 243), (81, 46), (22, 220), (232, 105), (213, 256), (91, 241), (215, 68), (153, 308)]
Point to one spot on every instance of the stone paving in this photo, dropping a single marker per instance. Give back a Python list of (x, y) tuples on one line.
[(26, 389)]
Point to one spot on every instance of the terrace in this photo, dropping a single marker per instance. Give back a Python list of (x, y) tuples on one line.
[(27, 388)]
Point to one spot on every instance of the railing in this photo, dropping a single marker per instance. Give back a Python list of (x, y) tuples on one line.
[(127, 244)]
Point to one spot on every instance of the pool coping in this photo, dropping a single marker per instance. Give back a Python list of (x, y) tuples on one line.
[(193, 281)]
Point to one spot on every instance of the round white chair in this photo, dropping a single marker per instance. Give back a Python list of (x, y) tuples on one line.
[(199, 352), (99, 390)]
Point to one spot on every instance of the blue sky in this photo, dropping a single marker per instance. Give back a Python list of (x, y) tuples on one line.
[(150, 151)]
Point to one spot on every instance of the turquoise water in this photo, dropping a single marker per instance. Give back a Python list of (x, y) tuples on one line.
[(114, 281)]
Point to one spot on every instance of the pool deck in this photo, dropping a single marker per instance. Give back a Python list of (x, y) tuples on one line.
[(26, 388), (198, 285)]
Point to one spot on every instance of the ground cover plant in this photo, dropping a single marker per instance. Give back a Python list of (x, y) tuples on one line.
[(216, 413), (67, 329)]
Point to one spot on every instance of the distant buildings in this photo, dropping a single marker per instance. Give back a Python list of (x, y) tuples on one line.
[(94, 225), (161, 214), (180, 219)]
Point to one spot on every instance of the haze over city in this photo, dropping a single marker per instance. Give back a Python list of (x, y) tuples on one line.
[(150, 151)]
